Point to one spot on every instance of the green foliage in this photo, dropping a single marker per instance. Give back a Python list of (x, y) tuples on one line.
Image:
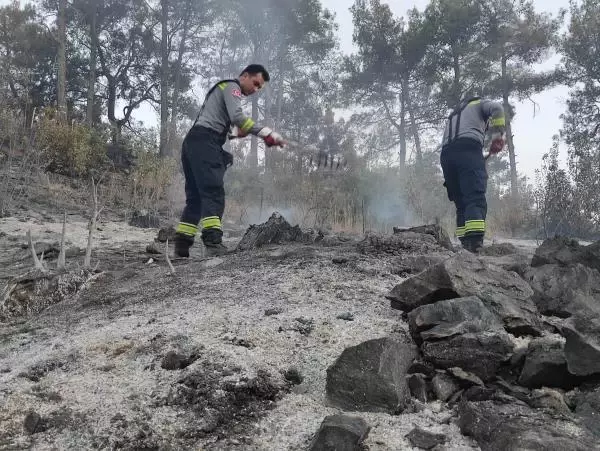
[(70, 149)]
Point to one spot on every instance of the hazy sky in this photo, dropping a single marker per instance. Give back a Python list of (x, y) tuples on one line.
[(532, 133)]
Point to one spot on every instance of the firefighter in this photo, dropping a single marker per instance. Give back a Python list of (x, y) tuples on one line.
[(205, 161), (463, 164)]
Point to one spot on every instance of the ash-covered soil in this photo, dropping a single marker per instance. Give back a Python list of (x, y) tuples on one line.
[(228, 353)]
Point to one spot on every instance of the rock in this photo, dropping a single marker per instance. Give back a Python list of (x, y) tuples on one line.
[(564, 290), (582, 348), (545, 365), (33, 423), (414, 264), (504, 293), (435, 230), (144, 219), (340, 433), (346, 316), (423, 439), (500, 426), (273, 311), (444, 386), (174, 361), (547, 398), (425, 368), (417, 386), (587, 407), (166, 233), (481, 353), (560, 250), (565, 252), (465, 378), (154, 248), (371, 376), (499, 250), (518, 263), (399, 243), (339, 260), (293, 375), (452, 317), (275, 231)]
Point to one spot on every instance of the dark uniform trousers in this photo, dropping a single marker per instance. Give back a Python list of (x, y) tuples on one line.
[(204, 164), (466, 178)]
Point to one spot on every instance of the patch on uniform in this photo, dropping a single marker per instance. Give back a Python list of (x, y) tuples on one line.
[(236, 93)]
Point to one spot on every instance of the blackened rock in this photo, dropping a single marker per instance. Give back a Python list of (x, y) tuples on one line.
[(481, 353), (435, 230), (340, 433), (33, 423), (564, 290), (452, 317), (560, 250), (499, 250), (444, 386), (565, 251), (519, 263), (144, 219), (587, 407), (464, 378), (424, 439), (582, 348), (425, 368), (417, 386), (504, 293), (275, 231), (545, 365), (414, 264), (293, 375), (371, 376), (174, 361), (547, 398), (166, 233), (399, 244), (500, 426)]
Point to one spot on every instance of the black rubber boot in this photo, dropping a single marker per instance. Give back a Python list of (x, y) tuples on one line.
[(215, 249), (182, 245), (473, 244)]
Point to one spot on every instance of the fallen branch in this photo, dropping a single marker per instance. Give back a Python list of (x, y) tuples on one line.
[(61, 263), (167, 257), (36, 261)]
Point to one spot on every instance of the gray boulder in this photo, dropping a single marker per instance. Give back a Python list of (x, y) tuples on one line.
[(515, 426), (564, 290), (503, 292), (340, 433), (546, 366), (371, 376), (481, 353), (582, 348)]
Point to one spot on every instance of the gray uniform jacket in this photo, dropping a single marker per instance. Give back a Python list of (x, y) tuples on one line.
[(223, 108), (472, 121)]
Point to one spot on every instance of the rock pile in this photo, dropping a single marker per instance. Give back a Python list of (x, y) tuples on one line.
[(512, 346)]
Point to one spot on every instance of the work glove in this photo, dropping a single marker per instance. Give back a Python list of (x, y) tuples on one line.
[(497, 143), (271, 138)]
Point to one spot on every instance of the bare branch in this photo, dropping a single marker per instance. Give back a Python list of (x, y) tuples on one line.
[(61, 256), (92, 225), (36, 262), (171, 268)]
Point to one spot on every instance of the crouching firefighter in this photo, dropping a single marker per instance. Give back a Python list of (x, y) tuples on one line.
[(205, 161), (463, 164)]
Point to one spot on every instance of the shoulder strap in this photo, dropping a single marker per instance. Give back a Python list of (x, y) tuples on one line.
[(457, 112), (211, 90)]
